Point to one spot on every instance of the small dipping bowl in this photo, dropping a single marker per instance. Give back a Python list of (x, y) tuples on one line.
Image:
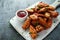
[(21, 15)]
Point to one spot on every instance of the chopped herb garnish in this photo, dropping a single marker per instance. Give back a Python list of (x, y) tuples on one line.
[(36, 23), (30, 32)]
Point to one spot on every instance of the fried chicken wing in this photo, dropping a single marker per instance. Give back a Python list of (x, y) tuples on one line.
[(39, 28), (34, 22), (33, 17), (37, 8), (42, 10), (41, 4), (26, 24), (30, 11), (39, 14), (33, 32), (42, 22), (39, 18), (49, 23), (47, 14), (50, 8), (53, 13), (45, 19)]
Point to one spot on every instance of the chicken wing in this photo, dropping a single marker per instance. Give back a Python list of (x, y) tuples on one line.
[(33, 32), (39, 28), (49, 23), (50, 8), (41, 4), (39, 15), (42, 10), (33, 17), (30, 11), (42, 22), (54, 14), (34, 22), (26, 24)]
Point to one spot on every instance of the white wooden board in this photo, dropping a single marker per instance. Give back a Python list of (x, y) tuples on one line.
[(18, 26)]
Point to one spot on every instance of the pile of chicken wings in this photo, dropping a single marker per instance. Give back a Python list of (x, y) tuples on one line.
[(39, 18)]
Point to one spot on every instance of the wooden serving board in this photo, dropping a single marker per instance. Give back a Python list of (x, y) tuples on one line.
[(18, 26)]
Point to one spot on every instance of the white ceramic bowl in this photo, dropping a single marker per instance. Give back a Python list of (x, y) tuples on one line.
[(21, 19)]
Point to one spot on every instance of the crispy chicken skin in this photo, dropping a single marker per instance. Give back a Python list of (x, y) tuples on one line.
[(33, 17), (53, 13), (41, 4), (33, 32), (45, 19), (49, 23), (50, 8), (39, 18), (47, 15), (42, 10), (26, 24), (34, 22), (39, 28), (42, 21), (30, 10), (36, 8), (39, 14)]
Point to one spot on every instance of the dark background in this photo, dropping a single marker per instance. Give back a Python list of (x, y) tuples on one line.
[(7, 11)]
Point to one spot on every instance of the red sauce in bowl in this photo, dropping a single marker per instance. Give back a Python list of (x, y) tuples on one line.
[(21, 14)]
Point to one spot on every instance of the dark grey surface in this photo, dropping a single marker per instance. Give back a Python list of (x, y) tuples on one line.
[(7, 11)]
